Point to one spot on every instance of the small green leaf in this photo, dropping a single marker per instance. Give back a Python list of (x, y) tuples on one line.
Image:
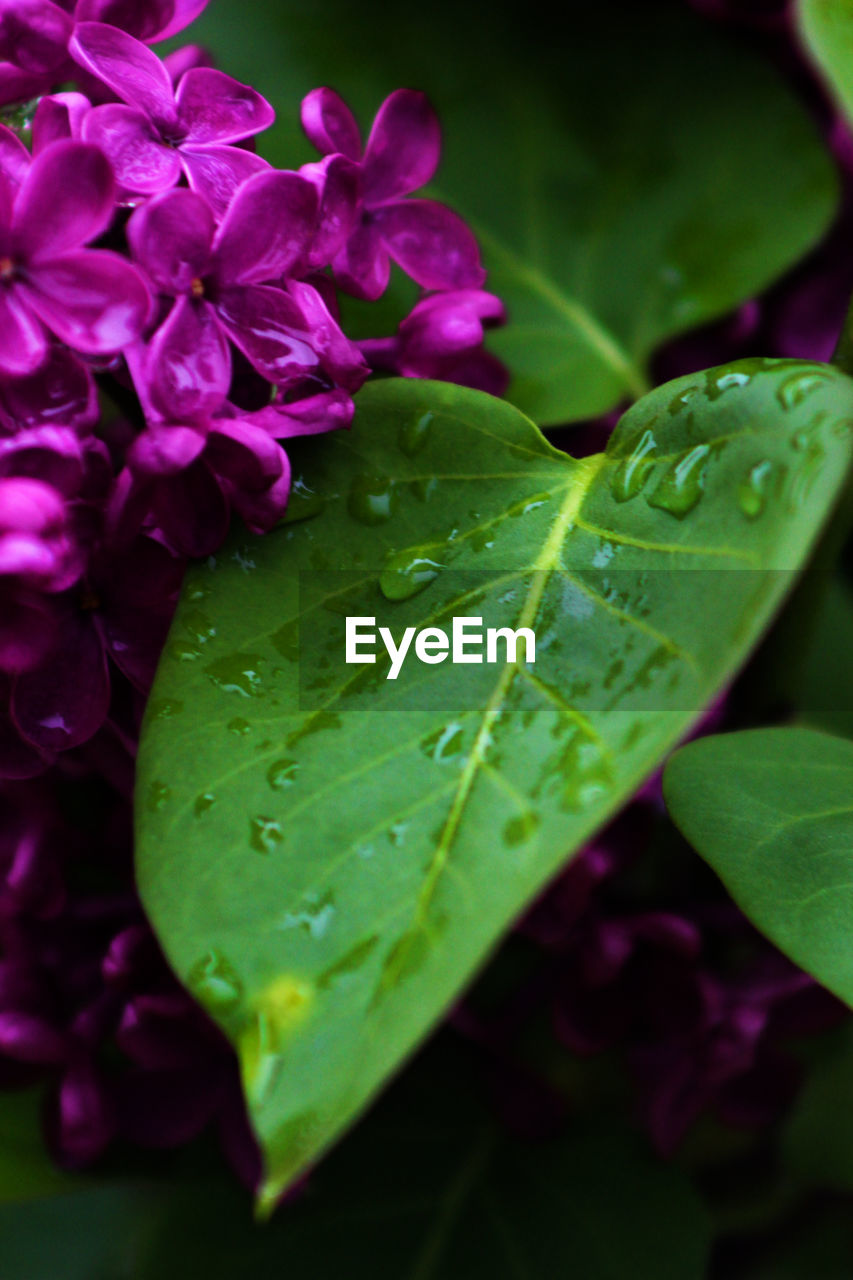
[(621, 195), (772, 811), (329, 874), (827, 30)]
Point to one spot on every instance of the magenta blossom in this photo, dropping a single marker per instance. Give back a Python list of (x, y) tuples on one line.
[(93, 300), (218, 280), (162, 133), (430, 242), (148, 20)]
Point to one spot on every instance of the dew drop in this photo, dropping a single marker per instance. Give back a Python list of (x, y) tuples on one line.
[(315, 917), (303, 503), (794, 390), (444, 744), (633, 472), (198, 626), (214, 982), (407, 573), (717, 385), (236, 673), (414, 435), (526, 505), (397, 834), (372, 499), (204, 804), (265, 834), (520, 830), (165, 709), (239, 727), (282, 774), (159, 795), (754, 490), (682, 485)]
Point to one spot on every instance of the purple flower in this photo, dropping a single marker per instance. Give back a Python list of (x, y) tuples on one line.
[(61, 392), (442, 338), (148, 20), (91, 299), (34, 35), (430, 242), (217, 279), (37, 547), (162, 133)]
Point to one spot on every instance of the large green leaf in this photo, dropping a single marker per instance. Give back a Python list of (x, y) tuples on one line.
[(327, 854), (827, 30), (772, 811), (631, 174)]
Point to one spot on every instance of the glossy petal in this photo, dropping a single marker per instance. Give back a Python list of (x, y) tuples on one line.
[(330, 125), (338, 183), (188, 364), (431, 243), (143, 164), (62, 391), (132, 71), (171, 238), (269, 329), (163, 450), (183, 13), (65, 701), (363, 267), (186, 59), (268, 230), (214, 107), (57, 117), (92, 299), (216, 172), (23, 341), (315, 415), (403, 149), (340, 357), (66, 200)]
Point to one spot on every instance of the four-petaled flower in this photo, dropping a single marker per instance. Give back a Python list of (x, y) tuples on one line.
[(156, 133)]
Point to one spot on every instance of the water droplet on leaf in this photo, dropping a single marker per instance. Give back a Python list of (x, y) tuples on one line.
[(681, 486), (372, 499), (633, 472), (415, 435), (265, 834)]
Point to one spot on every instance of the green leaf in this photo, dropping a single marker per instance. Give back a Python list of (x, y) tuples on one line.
[(26, 1170), (429, 1187), (327, 855), (621, 195), (772, 811), (826, 27)]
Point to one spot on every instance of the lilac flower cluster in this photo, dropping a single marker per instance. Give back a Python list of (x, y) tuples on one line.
[(168, 321)]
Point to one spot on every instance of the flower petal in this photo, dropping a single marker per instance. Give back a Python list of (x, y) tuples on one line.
[(23, 341), (34, 34), (59, 116), (431, 243), (269, 329), (62, 391), (15, 159), (315, 415), (151, 21), (132, 71), (92, 299), (66, 200), (216, 172), (330, 125), (27, 634), (340, 357), (65, 701), (171, 238), (362, 267), (403, 149), (268, 229), (192, 512), (163, 450), (188, 366), (214, 107), (338, 183), (143, 164)]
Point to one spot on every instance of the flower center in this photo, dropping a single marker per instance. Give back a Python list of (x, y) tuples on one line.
[(197, 288), (7, 270)]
